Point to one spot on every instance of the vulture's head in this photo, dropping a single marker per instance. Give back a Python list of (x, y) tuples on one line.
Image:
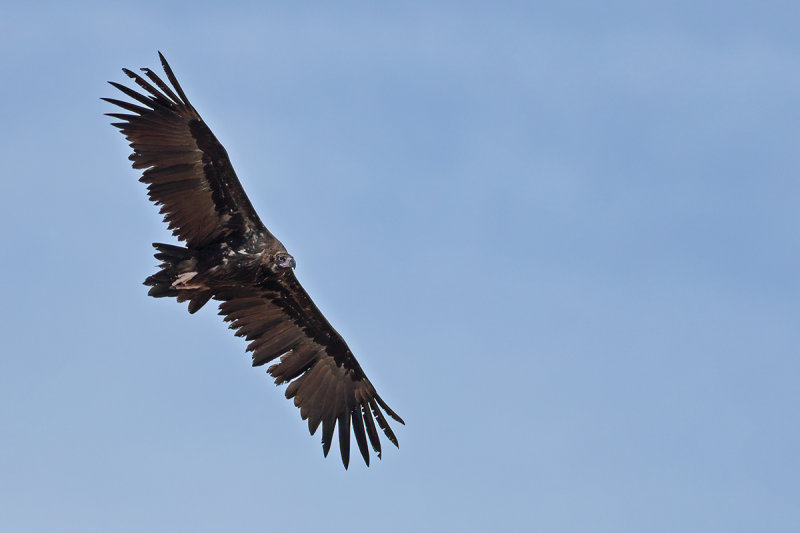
[(283, 261)]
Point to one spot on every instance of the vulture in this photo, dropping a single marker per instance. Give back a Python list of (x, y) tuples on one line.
[(228, 255)]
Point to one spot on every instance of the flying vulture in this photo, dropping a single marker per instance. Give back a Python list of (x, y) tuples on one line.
[(230, 256)]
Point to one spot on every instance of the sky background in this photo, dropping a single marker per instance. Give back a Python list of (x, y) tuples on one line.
[(562, 240)]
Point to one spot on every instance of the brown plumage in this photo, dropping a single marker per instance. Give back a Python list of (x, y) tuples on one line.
[(230, 256)]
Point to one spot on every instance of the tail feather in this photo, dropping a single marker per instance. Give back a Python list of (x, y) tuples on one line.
[(200, 299), (169, 252), (176, 260)]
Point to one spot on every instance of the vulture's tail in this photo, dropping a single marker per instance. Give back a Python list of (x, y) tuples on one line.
[(177, 277)]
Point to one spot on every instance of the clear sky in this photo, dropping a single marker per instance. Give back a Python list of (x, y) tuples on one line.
[(562, 240)]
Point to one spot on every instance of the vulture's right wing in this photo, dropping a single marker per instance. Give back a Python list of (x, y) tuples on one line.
[(187, 169)]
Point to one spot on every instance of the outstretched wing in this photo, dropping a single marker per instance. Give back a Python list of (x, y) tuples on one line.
[(187, 170), (327, 383)]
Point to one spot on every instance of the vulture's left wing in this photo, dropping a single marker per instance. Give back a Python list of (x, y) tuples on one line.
[(328, 386)]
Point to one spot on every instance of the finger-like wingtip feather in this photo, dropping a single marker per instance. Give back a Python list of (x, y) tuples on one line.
[(163, 86), (389, 410), (372, 432), (328, 424), (358, 431), (344, 438), (384, 425), (159, 97), (172, 79), (127, 106)]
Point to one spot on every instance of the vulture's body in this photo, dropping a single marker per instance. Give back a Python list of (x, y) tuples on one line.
[(230, 256)]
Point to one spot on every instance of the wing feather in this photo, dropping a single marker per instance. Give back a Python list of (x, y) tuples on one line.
[(372, 431), (187, 169), (344, 437), (173, 80), (358, 431), (325, 380), (161, 85), (328, 425), (315, 415)]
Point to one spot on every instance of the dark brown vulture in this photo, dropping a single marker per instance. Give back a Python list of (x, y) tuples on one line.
[(230, 256)]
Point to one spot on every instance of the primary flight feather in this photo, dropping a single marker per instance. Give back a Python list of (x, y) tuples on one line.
[(230, 256)]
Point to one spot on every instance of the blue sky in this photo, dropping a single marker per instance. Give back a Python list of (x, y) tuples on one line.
[(563, 241)]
